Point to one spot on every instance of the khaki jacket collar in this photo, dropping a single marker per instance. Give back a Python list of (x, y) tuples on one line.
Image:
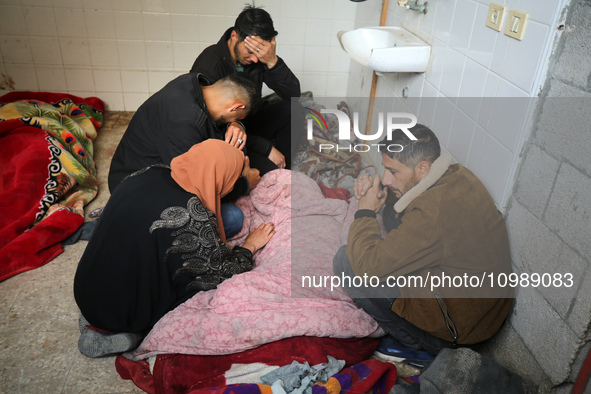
[(438, 168)]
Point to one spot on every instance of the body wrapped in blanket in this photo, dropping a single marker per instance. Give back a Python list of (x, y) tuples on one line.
[(47, 174), (268, 303)]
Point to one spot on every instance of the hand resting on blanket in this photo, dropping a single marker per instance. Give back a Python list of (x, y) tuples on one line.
[(259, 237)]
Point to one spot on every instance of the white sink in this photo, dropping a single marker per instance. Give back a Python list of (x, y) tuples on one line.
[(386, 49)]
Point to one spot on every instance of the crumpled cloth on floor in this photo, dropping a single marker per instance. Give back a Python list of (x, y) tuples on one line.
[(298, 378), (84, 233)]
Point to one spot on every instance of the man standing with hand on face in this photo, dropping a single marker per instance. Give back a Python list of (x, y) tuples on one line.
[(249, 48)]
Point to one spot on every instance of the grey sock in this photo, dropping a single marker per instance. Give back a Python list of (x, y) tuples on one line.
[(96, 344), (82, 324)]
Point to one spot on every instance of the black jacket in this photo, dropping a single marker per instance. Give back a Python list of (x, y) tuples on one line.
[(216, 63), (166, 125)]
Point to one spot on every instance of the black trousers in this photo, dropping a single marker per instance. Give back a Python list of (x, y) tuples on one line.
[(377, 302), (282, 123)]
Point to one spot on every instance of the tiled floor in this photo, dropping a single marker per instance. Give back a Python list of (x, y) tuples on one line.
[(39, 317)]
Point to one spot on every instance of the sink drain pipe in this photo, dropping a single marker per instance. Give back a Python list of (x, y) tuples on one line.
[(374, 77)]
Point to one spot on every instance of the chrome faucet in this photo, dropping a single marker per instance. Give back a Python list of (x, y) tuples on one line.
[(414, 5)]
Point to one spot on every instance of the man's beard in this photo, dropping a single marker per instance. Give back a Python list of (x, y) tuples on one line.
[(239, 58), (221, 121)]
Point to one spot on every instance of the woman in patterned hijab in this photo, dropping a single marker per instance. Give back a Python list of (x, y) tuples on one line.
[(159, 241)]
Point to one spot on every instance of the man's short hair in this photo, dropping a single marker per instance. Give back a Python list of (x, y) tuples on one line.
[(254, 21), (426, 147), (241, 88)]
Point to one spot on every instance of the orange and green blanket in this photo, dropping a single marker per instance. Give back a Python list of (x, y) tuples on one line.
[(47, 174)]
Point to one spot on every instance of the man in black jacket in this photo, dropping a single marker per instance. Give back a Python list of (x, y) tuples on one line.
[(248, 48), (187, 111)]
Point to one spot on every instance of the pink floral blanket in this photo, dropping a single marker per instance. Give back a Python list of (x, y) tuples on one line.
[(269, 303)]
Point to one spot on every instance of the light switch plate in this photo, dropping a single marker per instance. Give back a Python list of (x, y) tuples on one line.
[(516, 23), (496, 14)]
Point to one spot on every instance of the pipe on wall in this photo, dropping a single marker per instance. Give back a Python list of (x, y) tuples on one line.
[(374, 78)]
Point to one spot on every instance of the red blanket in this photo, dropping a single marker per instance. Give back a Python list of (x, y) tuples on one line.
[(177, 373), (47, 174)]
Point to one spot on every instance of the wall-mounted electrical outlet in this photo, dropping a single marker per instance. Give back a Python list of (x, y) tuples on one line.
[(516, 22), (496, 14)]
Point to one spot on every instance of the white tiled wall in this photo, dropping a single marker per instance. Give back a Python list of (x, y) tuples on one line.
[(470, 60), (124, 50)]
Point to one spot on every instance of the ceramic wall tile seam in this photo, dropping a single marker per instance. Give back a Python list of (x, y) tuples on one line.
[(132, 101), (50, 78), (114, 10), (318, 9), (19, 70), (113, 102), (73, 86), (445, 111), (339, 61), (455, 41), (518, 59), (434, 71), (552, 41), (344, 10), (107, 80), (517, 91), (461, 137), (316, 28), (499, 53), (503, 132), (482, 37), (475, 151), (289, 8), (23, 53), (549, 45), (12, 2), (51, 31), (135, 81), (162, 6), (536, 15), (474, 79), (495, 175), (392, 18), (506, 193), (104, 53), (128, 25), (452, 55), (446, 28), (428, 21), (487, 2), (336, 26), (16, 17), (517, 144)]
